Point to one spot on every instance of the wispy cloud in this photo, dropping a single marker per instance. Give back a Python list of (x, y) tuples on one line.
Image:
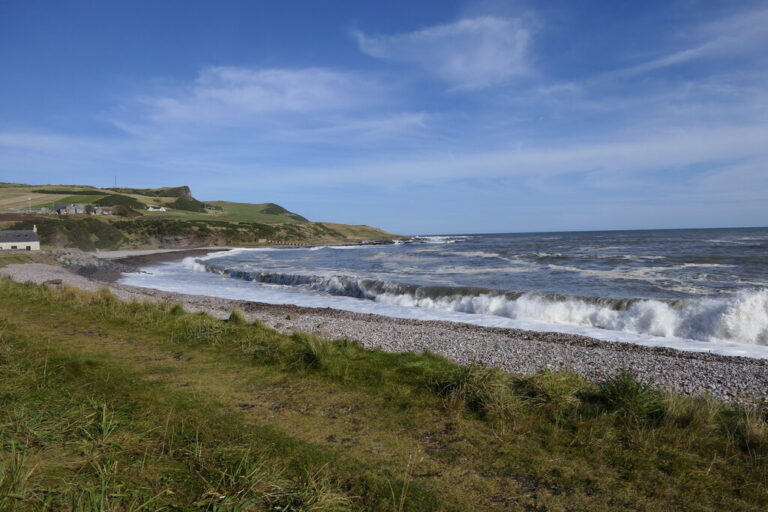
[(227, 106), (468, 54), (741, 33), (230, 95), (671, 151)]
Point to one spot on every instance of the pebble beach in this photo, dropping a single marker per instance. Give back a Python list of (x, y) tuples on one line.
[(738, 379)]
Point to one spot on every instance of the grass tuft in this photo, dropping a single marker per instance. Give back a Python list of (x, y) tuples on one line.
[(556, 393), (15, 474), (481, 389), (698, 414), (624, 394), (237, 317)]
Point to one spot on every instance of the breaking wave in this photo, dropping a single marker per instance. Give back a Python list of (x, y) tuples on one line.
[(739, 318)]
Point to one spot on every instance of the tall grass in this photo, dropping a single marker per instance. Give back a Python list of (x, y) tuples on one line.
[(123, 444)]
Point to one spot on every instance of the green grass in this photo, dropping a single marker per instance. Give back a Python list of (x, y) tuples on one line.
[(8, 259), (114, 406), (74, 199), (245, 212)]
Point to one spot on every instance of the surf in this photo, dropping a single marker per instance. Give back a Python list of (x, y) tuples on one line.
[(738, 318)]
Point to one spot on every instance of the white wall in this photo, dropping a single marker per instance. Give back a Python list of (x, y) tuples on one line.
[(20, 246)]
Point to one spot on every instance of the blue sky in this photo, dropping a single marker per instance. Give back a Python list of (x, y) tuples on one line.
[(417, 117)]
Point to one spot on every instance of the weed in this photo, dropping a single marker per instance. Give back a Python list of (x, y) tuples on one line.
[(15, 473)]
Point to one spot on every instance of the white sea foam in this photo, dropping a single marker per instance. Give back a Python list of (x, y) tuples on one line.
[(192, 263), (733, 326), (467, 270), (705, 265), (470, 254), (441, 239), (726, 241), (742, 318)]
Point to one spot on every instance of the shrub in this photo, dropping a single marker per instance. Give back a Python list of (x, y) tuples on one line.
[(192, 205), (119, 200), (125, 211)]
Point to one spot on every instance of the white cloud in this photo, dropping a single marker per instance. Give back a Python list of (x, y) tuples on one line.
[(468, 54), (253, 106), (228, 95)]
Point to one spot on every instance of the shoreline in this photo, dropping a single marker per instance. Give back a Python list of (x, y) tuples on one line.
[(145, 260), (732, 378)]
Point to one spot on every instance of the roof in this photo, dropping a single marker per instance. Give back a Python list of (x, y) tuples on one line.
[(26, 235)]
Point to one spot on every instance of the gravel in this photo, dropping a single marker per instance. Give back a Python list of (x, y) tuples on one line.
[(739, 379)]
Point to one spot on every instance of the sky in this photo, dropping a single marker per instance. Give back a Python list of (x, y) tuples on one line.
[(427, 117)]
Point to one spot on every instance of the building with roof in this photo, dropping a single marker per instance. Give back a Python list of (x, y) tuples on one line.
[(20, 240), (69, 209)]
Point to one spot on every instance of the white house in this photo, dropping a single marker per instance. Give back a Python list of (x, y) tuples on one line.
[(156, 208), (20, 240)]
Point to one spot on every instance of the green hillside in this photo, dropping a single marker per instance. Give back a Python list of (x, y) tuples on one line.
[(265, 212), (188, 222), (179, 202)]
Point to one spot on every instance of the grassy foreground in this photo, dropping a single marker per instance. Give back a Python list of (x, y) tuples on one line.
[(114, 406)]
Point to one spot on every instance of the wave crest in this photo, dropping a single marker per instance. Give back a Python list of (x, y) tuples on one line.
[(740, 318)]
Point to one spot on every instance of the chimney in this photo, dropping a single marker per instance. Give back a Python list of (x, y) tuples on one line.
[(34, 228)]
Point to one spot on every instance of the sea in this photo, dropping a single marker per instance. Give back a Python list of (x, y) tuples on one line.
[(697, 289)]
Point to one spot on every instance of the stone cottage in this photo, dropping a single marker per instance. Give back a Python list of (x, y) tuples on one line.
[(20, 240)]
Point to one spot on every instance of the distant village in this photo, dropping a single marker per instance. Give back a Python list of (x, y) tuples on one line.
[(28, 240), (80, 209)]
